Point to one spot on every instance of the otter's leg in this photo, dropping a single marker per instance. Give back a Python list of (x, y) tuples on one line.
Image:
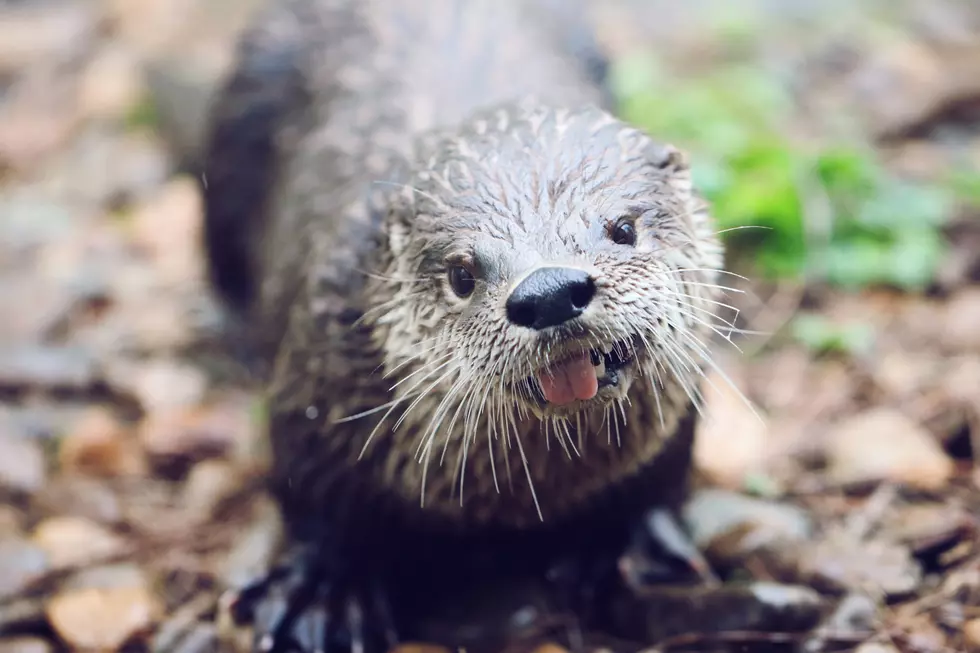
[(307, 603)]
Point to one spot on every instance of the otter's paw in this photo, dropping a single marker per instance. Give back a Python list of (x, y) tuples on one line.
[(662, 551), (298, 608)]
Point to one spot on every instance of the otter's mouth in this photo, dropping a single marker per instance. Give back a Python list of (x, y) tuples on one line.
[(581, 376)]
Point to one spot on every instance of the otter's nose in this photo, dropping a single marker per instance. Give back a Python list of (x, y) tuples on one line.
[(550, 296)]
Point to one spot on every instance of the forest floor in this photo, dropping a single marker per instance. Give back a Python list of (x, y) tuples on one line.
[(129, 449)]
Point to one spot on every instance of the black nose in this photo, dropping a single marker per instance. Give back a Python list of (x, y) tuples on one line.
[(550, 296)]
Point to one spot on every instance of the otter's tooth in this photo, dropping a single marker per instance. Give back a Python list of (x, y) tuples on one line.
[(600, 369)]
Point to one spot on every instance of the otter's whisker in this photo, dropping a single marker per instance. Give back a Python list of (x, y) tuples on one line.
[(394, 405), (447, 359), (530, 480)]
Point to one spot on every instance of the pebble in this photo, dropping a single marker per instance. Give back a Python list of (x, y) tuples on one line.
[(883, 444), (195, 433), (73, 540), (22, 465), (21, 563), (924, 525), (875, 647), (101, 445), (48, 367), (841, 562), (856, 613), (178, 205), (112, 84), (123, 574), (729, 525), (732, 441), (44, 32), (163, 386), (962, 317), (103, 618), (971, 634), (209, 483), (25, 645), (34, 126)]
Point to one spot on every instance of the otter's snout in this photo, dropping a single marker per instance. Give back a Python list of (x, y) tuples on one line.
[(549, 296)]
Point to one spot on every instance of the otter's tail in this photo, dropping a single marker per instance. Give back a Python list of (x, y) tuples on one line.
[(240, 160)]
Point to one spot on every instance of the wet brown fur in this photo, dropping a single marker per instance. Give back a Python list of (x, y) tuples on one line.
[(399, 135)]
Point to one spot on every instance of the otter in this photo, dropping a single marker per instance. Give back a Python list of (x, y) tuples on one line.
[(482, 302)]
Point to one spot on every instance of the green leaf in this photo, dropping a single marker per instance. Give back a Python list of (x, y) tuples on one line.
[(820, 335)]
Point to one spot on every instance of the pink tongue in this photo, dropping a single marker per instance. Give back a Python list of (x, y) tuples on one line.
[(569, 381)]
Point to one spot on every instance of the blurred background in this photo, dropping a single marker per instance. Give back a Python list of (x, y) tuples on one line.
[(838, 141)]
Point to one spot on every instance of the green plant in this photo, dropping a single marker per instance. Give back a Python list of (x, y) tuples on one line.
[(829, 212), (821, 336)]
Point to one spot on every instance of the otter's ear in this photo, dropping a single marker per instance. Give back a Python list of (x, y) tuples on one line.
[(673, 164), (668, 158)]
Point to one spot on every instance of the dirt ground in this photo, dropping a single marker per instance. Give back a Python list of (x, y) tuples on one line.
[(129, 446)]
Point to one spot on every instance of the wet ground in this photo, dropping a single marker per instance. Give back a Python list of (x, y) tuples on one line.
[(128, 448)]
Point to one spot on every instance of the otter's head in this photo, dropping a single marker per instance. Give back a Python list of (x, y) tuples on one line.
[(546, 262)]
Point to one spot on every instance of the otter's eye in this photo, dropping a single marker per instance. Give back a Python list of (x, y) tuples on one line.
[(624, 233), (461, 280)]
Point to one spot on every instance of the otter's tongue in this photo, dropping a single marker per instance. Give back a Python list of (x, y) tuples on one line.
[(574, 379)]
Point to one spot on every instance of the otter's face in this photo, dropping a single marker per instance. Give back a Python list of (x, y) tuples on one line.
[(547, 263)]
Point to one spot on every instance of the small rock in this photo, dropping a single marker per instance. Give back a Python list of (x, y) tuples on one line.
[(163, 386), (100, 445), (883, 444), (901, 373), (36, 126), (207, 485), (112, 84), (72, 540), (855, 613), (198, 433), (925, 525), (25, 645), (168, 225), (841, 562), (730, 526), (962, 318), (971, 635), (22, 465), (21, 563), (80, 496), (732, 441), (31, 33), (876, 647), (47, 367), (103, 619)]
